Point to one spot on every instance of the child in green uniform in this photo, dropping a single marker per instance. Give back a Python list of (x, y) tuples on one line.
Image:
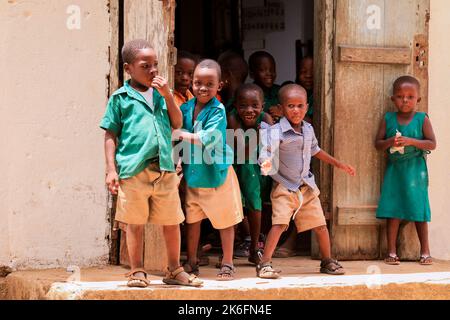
[(212, 189), (263, 70), (139, 166), (255, 188), (407, 136)]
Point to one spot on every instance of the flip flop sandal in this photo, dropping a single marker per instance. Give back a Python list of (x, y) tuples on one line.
[(426, 260), (393, 260), (181, 278), (331, 266), (226, 272), (137, 282), (265, 271)]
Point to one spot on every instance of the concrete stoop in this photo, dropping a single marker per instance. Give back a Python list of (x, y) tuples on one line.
[(364, 280)]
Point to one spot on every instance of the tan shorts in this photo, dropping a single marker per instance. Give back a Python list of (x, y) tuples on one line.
[(285, 203), (222, 205), (151, 196)]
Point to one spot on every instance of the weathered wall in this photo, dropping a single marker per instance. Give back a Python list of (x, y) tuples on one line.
[(53, 93), (439, 102)]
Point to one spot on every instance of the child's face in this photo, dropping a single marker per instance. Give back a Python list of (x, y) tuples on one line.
[(206, 84), (294, 105), (144, 67), (249, 106), (406, 97), (305, 74), (265, 73), (184, 70)]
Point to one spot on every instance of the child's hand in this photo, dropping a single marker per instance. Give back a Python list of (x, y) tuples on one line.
[(266, 166), (403, 141), (177, 135), (347, 168), (160, 84), (112, 181), (275, 112)]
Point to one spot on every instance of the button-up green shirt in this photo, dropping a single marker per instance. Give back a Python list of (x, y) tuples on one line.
[(206, 166), (143, 131)]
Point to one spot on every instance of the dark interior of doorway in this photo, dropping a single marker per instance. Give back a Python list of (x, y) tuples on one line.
[(208, 28)]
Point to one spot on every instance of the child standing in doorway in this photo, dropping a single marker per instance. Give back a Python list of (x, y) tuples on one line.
[(144, 177), (212, 188), (407, 136), (263, 70), (247, 116), (294, 192)]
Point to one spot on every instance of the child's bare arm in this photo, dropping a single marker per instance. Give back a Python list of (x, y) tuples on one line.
[(175, 115), (381, 143), (428, 143), (325, 157), (112, 178), (180, 135)]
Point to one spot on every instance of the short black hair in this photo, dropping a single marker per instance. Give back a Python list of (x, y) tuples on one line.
[(235, 63), (210, 64), (182, 54), (288, 88), (131, 48), (406, 79), (254, 58), (249, 87)]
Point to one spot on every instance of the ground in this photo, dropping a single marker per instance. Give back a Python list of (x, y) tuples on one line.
[(300, 280)]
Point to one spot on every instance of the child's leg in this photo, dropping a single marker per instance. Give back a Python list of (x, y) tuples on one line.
[(135, 246), (392, 226), (422, 232), (173, 245), (227, 237), (254, 220), (323, 238), (272, 240), (193, 238)]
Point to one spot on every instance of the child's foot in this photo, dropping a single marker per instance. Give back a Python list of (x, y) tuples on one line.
[(137, 278), (191, 268), (392, 259), (426, 260), (181, 278), (226, 272), (331, 266), (255, 256), (265, 271)]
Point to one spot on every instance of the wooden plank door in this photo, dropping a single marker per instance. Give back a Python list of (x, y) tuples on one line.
[(153, 20), (375, 41)]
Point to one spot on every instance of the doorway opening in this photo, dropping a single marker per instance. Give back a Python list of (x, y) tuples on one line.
[(283, 28)]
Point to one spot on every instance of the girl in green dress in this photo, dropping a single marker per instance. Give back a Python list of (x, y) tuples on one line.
[(407, 136), (255, 188)]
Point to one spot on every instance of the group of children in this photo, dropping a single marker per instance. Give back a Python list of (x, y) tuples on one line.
[(144, 118)]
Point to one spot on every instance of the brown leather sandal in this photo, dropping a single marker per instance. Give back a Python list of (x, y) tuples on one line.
[(331, 266), (181, 278), (392, 259), (137, 282), (226, 272)]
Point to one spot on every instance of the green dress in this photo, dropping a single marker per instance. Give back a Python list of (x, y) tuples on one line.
[(255, 188), (404, 194)]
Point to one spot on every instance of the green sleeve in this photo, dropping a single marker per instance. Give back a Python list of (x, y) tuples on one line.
[(111, 119)]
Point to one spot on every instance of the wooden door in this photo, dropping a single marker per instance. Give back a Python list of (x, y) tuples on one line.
[(375, 41), (153, 20)]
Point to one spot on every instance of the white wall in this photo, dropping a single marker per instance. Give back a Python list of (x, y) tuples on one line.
[(298, 25), (439, 104), (53, 94)]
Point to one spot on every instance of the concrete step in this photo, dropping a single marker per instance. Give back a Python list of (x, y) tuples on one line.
[(300, 280)]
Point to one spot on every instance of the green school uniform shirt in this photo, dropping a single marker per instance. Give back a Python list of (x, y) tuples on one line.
[(271, 97), (143, 131), (206, 166)]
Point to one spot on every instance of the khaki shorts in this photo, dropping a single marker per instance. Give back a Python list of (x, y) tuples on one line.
[(151, 196), (285, 203), (222, 205)]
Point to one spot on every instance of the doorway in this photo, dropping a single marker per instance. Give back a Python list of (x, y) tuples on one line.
[(284, 28)]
